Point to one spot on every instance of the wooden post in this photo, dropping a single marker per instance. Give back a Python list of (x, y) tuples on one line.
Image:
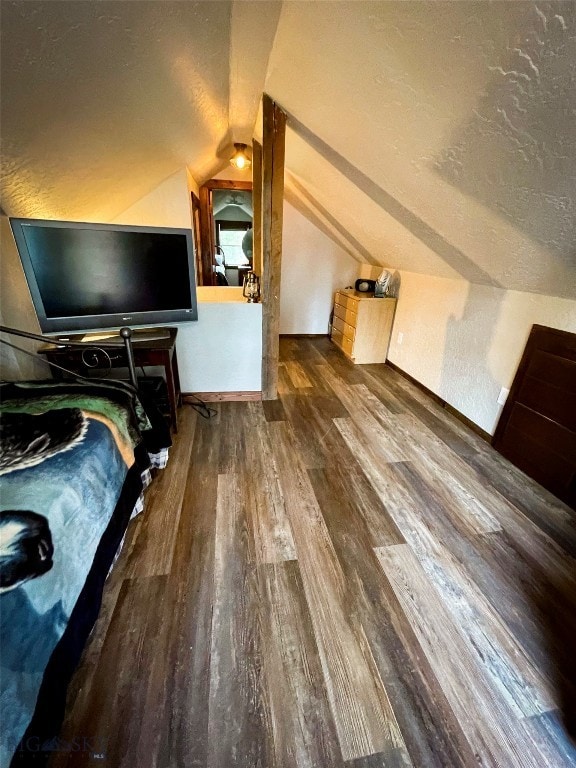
[(272, 208), (206, 237), (197, 231), (257, 206)]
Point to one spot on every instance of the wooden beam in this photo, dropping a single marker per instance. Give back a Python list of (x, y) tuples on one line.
[(272, 210), (257, 206), (206, 236), (197, 231), (227, 184)]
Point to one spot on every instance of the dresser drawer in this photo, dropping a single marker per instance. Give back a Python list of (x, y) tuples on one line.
[(345, 344), (345, 314), (347, 301), (345, 328)]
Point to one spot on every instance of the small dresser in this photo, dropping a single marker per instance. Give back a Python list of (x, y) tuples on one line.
[(362, 325)]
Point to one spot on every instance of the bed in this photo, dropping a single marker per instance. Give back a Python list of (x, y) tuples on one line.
[(74, 460)]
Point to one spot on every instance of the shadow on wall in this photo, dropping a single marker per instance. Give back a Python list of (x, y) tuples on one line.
[(9, 367), (394, 285), (517, 154), (452, 255), (466, 381), (295, 193)]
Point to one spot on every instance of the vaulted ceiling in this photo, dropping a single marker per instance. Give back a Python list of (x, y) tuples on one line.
[(437, 137)]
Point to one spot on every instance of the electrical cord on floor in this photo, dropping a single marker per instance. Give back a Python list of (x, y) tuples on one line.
[(200, 407)]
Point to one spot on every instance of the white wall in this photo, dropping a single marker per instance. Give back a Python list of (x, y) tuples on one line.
[(464, 341), (168, 205), (313, 268), (231, 173), (222, 352)]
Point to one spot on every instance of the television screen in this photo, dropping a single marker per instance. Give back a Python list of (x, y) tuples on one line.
[(85, 276)]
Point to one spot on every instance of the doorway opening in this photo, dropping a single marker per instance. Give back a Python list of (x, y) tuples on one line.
[(232, 214), (226, 235)]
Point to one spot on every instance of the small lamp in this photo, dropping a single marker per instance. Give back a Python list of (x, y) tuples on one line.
[(251, 288), (240, 157)]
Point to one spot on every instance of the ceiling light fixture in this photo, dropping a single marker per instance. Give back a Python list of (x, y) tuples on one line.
[(240, 157)]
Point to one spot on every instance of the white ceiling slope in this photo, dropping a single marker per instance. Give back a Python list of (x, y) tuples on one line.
[(102, 101), (437, 137), (441, 136)]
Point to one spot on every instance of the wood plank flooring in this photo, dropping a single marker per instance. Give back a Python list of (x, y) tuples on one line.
[(347, 576)]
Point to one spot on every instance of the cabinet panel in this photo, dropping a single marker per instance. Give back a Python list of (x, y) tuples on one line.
[(345, 328), (362, 325), (347, 315), (347, 301), (345, 344)]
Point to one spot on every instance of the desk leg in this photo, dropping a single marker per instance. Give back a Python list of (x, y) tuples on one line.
[(172, 392), (176, 376)]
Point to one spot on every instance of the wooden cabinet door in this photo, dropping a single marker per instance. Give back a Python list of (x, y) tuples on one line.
[(537, 428)]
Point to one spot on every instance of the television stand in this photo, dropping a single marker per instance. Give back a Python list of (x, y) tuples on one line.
[(138, 334), (150, 334), (147, 352)]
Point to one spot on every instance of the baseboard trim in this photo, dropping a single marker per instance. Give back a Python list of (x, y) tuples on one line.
[(437, 399), (220, 397)]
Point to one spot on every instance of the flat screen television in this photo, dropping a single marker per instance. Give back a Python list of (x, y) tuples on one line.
[(85, 276)]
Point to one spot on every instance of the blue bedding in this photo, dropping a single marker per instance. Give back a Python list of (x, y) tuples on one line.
[(70, 462)]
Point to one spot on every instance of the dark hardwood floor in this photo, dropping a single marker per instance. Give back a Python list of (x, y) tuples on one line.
[(347, 576)]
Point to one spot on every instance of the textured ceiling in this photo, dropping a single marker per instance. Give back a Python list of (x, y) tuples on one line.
[(440, 136), (437, 137), (102, 101)]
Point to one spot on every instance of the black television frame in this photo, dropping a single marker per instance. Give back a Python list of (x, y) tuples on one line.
[(113, 321)]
